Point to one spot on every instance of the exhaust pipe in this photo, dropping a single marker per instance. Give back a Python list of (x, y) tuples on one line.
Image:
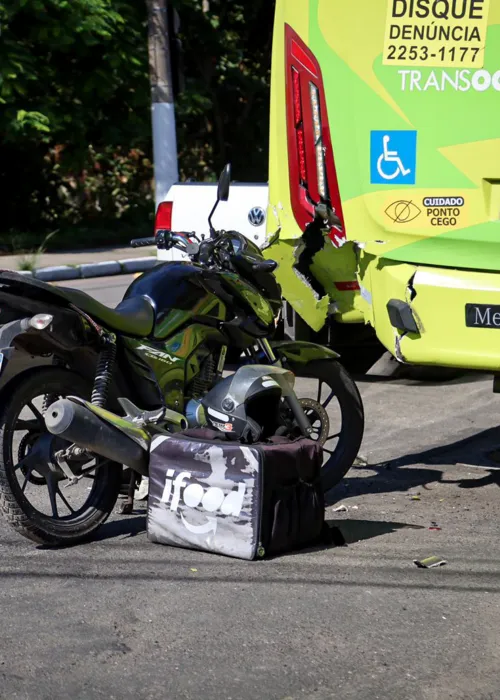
[(99, 431)]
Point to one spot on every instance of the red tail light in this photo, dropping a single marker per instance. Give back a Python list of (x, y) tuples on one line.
[(298, 124), (311, 165), (297, 107), (301, 149), (163, 220)]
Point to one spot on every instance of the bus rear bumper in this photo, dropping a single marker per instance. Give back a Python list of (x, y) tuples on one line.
[(450, 317)]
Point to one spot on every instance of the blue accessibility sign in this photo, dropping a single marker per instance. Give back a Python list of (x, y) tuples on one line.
[(393, 157)]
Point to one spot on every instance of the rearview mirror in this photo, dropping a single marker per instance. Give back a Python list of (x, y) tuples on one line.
[(224, 182), (222, 194)]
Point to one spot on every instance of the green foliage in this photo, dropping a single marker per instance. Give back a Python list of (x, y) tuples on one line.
[(224, 112), (75, 129), (30, 260)]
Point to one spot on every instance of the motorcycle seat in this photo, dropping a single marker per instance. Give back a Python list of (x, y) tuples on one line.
[(133, 316)]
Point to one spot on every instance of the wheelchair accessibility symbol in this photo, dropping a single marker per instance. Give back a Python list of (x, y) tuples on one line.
[(393, 157)]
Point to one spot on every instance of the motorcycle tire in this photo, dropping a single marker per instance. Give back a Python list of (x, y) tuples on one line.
[(17, 510), (342, 388)]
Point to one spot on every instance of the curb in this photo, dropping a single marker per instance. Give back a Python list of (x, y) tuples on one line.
[(60, 273)]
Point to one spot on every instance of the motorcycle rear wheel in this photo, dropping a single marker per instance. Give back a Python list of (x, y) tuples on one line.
[(27, 518), (334, 387)]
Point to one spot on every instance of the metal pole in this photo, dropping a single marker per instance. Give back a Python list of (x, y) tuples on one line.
[(162, 100)]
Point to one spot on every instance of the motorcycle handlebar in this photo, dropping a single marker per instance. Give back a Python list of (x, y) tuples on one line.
[(204, 252), (141, 242), (166, 239)]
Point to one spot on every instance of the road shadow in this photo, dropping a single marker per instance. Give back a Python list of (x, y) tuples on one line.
[(409, 380), (406, 473), (386, 367), (387, 479), (126, 526), (341, 533), (338, 533), (477, 451), (351, 531)]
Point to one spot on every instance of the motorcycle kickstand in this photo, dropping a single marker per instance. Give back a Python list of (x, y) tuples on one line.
[(127, 507)]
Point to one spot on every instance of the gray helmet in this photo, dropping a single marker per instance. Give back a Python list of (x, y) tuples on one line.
[(247, 403)]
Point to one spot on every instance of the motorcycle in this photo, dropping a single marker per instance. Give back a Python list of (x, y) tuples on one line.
[(73, 373)]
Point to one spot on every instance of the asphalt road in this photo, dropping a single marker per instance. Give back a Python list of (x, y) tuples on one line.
[(123, 618)]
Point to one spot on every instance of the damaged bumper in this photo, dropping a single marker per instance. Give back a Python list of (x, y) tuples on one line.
[(438, 316), (334, 269)]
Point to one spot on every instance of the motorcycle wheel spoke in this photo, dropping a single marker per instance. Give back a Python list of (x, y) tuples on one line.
[(331, 437), (35, 412), (30, 424), (26, 477), (330, 397), (320, 386), (63, 499), (52, 496), (23, 462)]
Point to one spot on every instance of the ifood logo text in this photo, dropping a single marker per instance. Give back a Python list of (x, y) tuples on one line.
[(441, 80), (193, 495)]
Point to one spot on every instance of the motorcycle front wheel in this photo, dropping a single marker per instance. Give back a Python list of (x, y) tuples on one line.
[(332, 402), (36, 497)]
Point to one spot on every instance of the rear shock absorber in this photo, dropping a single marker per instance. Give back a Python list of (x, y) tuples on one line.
[(49, 399), (104, 372)]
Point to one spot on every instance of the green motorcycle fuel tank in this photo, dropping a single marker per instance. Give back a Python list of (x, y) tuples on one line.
[(198, 313)]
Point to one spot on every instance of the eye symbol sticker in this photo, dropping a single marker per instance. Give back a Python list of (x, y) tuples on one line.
[(402, 211)]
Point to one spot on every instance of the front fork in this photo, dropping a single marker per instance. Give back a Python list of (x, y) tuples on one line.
[(291, 399)]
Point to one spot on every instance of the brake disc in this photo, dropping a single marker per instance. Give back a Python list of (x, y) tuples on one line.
[(315, 412)]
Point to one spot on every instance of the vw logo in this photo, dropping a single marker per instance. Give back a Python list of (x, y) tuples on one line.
[(256, 216)]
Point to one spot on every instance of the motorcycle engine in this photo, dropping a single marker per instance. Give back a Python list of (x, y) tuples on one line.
[(201, 384)]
